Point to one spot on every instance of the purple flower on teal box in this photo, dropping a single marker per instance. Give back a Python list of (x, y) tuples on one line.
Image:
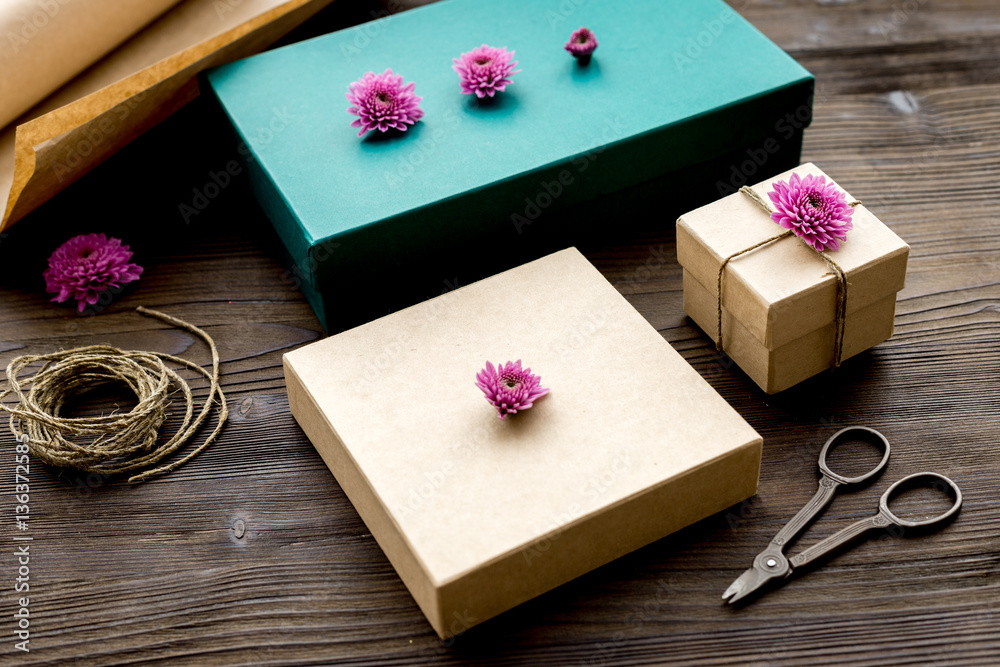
[(816, 211), (510, 388), (485, 70), (582, 44), (381, 102)]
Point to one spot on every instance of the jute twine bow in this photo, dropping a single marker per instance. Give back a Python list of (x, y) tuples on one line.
[(122, 442), (841, 312)]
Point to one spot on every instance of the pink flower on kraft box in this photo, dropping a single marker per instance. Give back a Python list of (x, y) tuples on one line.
[(814, 209), (510, 388), (485, 70), (87, 265), (381, 102)]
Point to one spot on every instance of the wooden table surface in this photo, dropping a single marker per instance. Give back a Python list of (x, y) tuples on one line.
[(251, 553)]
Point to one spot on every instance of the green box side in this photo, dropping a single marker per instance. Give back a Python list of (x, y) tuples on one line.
[(504, 211), (328, 271), (420, 273)]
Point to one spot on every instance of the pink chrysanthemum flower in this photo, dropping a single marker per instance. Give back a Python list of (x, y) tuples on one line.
[(510, 388), (485, 71), (816, 211), (581, 44), (87, 265), (381, 102)]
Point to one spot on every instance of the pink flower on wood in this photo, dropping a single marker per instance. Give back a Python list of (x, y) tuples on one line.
[(485, 71), (510, 388), (816, 211), (87, 265), (381, 102)]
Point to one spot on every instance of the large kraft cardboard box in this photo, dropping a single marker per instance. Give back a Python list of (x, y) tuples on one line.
[(477, 514)]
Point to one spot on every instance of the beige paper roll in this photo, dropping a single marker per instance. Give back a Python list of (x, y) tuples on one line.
[(137, 85), (48, 42)]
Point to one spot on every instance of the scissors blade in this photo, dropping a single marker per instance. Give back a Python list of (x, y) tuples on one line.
[(739, 584), (747, 583)]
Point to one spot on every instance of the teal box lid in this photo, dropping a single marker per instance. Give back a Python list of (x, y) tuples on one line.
[(673, 83)]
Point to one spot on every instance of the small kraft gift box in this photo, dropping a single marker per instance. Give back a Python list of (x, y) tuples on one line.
[(786, 311), (479, 514)]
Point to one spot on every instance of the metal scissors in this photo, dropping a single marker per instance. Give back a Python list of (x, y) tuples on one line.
[(771, 563)]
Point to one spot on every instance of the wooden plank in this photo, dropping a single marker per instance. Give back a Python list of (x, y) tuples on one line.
[(251, 554)]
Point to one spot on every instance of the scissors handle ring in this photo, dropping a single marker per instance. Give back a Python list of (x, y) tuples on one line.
[(860, 433), (883, 502)]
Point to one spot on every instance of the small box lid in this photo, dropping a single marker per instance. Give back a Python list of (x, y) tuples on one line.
[(783, 291), (671, 84)]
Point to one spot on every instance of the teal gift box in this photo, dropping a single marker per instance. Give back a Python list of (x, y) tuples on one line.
[(682, 102)]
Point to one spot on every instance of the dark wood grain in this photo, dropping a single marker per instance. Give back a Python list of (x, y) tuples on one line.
[(251, 553)]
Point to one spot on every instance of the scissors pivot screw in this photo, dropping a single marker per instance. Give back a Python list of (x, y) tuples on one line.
[(771, 562)]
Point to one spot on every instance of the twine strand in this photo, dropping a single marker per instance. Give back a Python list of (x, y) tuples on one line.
[(722, 270), (123, 442), (840, 315), (841, 309), (757, 199)]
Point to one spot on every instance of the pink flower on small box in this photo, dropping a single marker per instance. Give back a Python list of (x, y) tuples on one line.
[(87, 265), (485, 71), (510, 388), (381, 102), (582, 44), (815, 210)]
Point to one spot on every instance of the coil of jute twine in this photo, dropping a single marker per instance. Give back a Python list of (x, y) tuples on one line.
[(121, 442), (841, 311)]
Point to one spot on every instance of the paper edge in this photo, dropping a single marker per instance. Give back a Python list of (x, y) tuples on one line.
[(74, 115)]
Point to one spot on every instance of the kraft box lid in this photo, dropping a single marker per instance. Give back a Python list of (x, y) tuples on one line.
[(654, 100), (477, 514)]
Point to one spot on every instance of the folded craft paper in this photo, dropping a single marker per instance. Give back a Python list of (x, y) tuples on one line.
[(139, 60), (50, 43), (779, 301), (477, 514), (473, 174)]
